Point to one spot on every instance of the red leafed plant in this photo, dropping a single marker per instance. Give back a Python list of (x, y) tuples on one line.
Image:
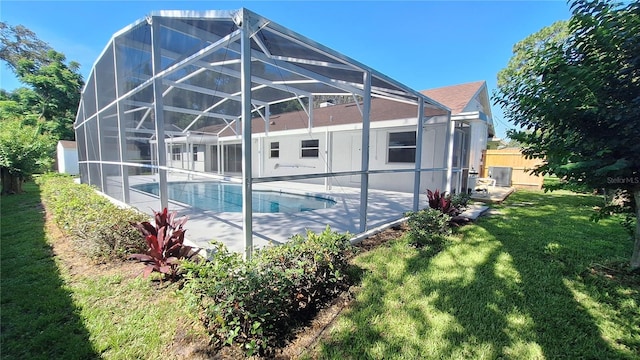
[(165, 242), (442, 202)]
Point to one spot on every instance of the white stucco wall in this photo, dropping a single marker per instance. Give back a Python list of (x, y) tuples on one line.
[(346, 154), (478, 143), (67, 160), (186, 158)]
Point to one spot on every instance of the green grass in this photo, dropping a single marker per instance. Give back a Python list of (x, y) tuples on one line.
[(39, 317), (539, 281), (49, 314)]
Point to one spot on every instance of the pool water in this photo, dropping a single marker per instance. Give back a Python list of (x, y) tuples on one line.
[(224, 197)]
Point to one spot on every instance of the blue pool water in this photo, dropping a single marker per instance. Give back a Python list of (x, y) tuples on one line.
[(223, 197)]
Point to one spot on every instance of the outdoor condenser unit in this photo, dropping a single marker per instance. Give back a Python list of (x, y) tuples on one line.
[(501, 174)]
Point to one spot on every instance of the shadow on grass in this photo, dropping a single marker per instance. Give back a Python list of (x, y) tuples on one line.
[(39, 319), (507, 289)]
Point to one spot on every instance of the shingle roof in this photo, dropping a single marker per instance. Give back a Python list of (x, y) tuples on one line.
[(381, 109), (455, 97)]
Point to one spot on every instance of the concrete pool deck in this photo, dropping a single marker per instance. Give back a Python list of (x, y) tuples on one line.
[(204, 226)]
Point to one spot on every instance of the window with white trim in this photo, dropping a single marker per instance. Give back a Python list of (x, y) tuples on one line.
[(310, 148), (402, 147), (195, 153), (274, 150)]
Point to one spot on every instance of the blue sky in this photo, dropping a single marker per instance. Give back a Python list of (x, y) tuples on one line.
[(424, 44)]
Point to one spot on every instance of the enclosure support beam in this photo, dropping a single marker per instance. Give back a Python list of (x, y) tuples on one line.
[(449, 153), (122, 134), (364, 166), (103, 177), (418, 174), (245, 88), (219, 156), (310, 112), (190, 160), (267, 119), (261, 156), (158, 111), (328, 141)]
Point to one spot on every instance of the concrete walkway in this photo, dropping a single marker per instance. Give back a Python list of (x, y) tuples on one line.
[(204, 226), (495, 195), (474, 211)]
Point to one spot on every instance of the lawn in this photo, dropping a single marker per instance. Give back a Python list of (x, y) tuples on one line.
[(536, 280), (57, 305)]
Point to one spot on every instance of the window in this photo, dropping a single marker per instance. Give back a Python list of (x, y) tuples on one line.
[(402, 147), (176, 153), (310, 148), (275, 150), (195, 153)]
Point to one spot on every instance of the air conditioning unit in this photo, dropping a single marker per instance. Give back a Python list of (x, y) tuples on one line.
[(501, 174)]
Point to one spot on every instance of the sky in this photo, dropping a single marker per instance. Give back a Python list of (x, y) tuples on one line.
[(423, 44)]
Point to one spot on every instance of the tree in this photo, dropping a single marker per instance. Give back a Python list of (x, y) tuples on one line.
[(576, 97), (18, 42), (24, 150), (58, 87), (55, 86)]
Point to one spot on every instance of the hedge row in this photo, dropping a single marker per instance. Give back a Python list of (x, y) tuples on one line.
[(99, 229), (258, 303)]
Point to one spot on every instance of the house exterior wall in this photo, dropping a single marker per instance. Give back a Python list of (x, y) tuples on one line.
[(343, 154), (67, 160), (478, 143), (183, 158)]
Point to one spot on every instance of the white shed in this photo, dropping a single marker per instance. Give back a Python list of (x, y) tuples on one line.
[(67, 157)]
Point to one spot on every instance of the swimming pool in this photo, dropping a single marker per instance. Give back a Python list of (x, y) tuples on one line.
[(225, 197)]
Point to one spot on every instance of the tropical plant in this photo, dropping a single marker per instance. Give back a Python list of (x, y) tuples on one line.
[(442, 202), (165, 240)]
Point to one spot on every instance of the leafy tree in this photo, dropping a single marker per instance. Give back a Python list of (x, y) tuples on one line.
[(577, 99), (24, 150), (18, 42), (54, 86), (58, 87)]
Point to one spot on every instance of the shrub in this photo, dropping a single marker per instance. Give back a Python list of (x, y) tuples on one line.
[(460, 201), (165, 241), (98, 228), (427, 224), (258, 303)]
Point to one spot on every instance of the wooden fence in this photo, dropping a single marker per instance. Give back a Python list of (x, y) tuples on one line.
[(513, 158)]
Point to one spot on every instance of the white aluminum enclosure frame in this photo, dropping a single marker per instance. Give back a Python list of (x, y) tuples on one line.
[(137, 89)]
